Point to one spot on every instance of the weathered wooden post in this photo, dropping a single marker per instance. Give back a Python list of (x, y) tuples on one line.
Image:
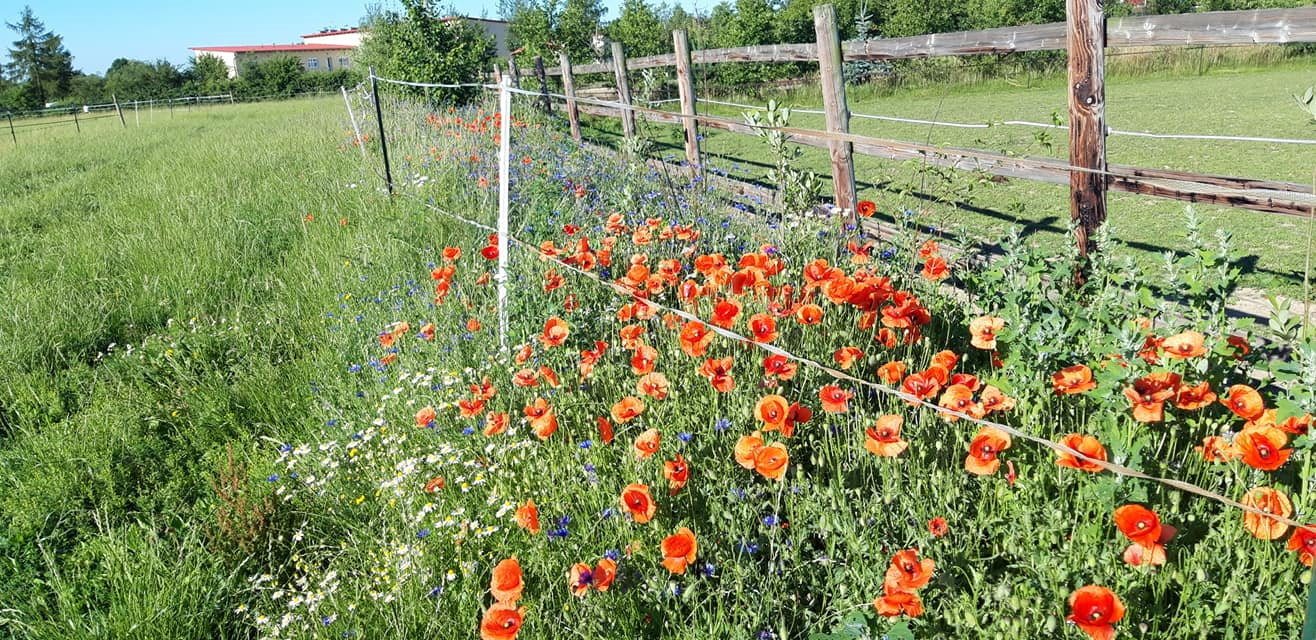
[(1086, 46), (379, 120), (837, 110), (569, 88), (513, 72), (75, 120), (685, 88), (623, 90), (10, 116), (118, 110), (542, 76)]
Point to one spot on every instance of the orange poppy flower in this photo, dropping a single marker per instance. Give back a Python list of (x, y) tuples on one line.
[(865, 208), (920, 385), (1136, 555), (579, 579), (797, 414), (884, 439), (1304, 542), (636, 500), (809, 314), (695, 338), (655, 385), (938, 527), (935, 268), (983, 331), (605, 572), (495, 423), (725, 313), (505, 584), (907, 572), (1073, 379), (959, 398), (1086, 445), (1296, 425), (835, 399), (1149, 393), (983, 450), (891, 372), (451, 254), (746, 447), (1272, 502), (632, 335), (771, 461), (771, 411), (526, 378), (1195, 397), (1189, 344), (436, 483), (1217, 449), (555, 332), (894, 603), (425, 417), (627, 409), (677, 473), (946, 359), (762, 327), (527, 517), (550, 376), (779, 367), (1244, 401), (1095, 610), (992, 400), (644, 360), (847, 356), (605, 429), (679, 550), (647, 443), (718, 373), (1261, 447), (544, 426), (501, 622), (1139, 524)]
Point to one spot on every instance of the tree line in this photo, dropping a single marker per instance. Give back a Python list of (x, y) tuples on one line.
[(40, 73)]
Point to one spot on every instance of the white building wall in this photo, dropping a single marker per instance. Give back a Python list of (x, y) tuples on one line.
[(229, 59)]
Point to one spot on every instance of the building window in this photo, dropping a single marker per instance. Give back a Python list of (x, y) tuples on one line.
[(312, 63), (342, 63)]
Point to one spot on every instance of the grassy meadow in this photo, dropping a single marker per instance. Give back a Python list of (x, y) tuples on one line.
[(247, 395), (1230, 99)]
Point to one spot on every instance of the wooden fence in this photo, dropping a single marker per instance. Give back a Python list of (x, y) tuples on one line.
[(1084, 36)]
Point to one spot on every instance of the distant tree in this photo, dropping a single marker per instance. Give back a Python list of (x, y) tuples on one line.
[(207, 75), (640, 30), (531, 25), (140, 80), (38, 60), (281, 76), (575, 28), (678, 18), (87, 89), (417, 44)]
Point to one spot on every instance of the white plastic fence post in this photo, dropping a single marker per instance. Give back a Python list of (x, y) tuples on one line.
[(504, 177), (361, 144)]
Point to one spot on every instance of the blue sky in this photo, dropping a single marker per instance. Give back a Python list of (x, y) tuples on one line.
[(98, 31)]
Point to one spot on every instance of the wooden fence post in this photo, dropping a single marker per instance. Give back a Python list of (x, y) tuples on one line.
[(837, 110), (1086, 46), (119, 111), (685, 87), (623, 90), (513, 72), (544, 104), (569, 88)]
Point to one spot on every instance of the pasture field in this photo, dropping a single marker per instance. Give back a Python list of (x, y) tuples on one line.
[(1229, 100), (248, 395)]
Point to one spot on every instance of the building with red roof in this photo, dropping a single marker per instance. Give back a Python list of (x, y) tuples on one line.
[(326, 50)]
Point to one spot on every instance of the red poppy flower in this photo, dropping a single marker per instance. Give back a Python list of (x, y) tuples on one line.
[(1272, 502), (1139, 524), (718, 373), (907, 572), (1261, 447), (771, 411), (695, 338), (894, 603), (505, 584), (1304, 542), (762, 327), (425, 417), (983, 450), (527, 517), (605, 572), (1217, 449), (1244, 401), (1195, 397), (938, 527), (835, 399), (771, 461), (1189, 344), (495, 423), (636, 500), (725, 313), (501, 622), (891, 372), (605, 430), (627, 409), (883, 439), (1086, 445), (1095, 610), (677, 473), (779, 367), (679, 550), (983, 331), (746, 447), (555, 332), (1072, 380), (1149, 393), (647, 443), (846, 357), (865, 208), (809, 314), (935, 268), (655, 385)]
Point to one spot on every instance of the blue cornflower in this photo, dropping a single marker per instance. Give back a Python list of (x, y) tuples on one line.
[(285, 448), (722, 424), (685, 436), (423, 533), (466, 432), (612, 554), (770, 520), (274, 477), (585, 444)]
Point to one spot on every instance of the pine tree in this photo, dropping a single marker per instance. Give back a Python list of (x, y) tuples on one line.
[(39, 61)]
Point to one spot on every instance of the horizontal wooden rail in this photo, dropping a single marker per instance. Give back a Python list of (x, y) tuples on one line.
[(1259, 26), (1256, 195)]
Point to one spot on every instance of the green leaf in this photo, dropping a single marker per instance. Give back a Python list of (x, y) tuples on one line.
[(900, 631)]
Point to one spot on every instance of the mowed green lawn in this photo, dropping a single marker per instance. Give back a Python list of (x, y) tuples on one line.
[(202, 251), (1243, 101)]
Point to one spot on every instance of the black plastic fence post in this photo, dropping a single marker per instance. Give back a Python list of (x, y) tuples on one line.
[(1309, 624), (75, 121), (10, 116), (379, 120)]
